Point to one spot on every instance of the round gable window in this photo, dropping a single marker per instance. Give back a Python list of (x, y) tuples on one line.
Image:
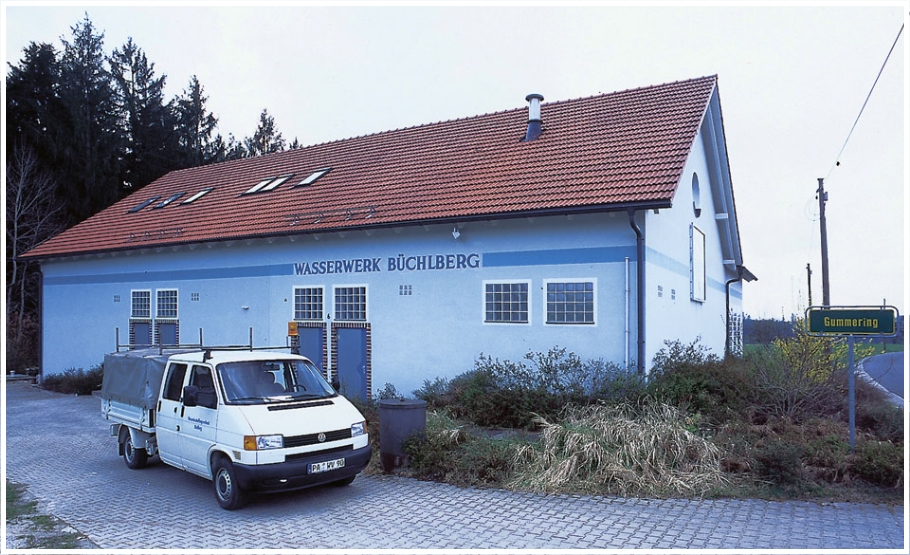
[(696, 196)]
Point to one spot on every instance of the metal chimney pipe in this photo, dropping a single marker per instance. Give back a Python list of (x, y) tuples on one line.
[(534, 122)]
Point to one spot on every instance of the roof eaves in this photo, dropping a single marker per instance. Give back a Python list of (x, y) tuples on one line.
[(544, 212)]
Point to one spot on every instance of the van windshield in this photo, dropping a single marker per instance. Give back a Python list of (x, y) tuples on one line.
[(269, 381)]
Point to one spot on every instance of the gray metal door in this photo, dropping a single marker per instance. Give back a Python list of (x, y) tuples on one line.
[(312, 345), (142, 334), (167, 333), (351, 363)]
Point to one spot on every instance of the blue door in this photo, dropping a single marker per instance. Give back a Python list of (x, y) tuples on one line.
[(351, 363), (167, 333), (312, 345), (142, 334)]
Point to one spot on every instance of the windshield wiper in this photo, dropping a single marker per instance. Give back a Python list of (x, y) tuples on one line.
[(309, 396)]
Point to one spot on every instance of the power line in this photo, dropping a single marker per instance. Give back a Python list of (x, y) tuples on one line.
[(837, 160)]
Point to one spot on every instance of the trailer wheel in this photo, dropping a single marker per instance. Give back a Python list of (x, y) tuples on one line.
[(227, 489), (134, 457)]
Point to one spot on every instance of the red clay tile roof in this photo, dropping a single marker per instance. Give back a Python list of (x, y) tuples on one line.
[(598, 153)]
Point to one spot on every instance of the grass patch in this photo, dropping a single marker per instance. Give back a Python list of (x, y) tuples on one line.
[(16, 506), (28, 529), (625, 449)]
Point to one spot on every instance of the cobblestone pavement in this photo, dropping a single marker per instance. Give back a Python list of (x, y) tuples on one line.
[(60, 447)]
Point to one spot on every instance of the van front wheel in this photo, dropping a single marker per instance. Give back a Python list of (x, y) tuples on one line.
[(227, 488)]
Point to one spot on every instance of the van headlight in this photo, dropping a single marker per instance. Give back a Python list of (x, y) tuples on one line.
[(358, 429), (261, 443)]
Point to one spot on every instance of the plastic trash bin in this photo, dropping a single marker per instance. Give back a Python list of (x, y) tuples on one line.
[(399, 419)]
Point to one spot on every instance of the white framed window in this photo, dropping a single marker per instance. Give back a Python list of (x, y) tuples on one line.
[(570, 301), (141, 304), (268, 184), (351, 303), (697, 278), (198, 195), (310, 179), (308, 303), (506, 302), (166, 303)]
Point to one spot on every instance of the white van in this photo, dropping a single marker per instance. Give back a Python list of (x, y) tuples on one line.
[(247, 420)]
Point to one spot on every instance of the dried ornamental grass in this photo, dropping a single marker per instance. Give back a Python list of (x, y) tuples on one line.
[(624, 449)]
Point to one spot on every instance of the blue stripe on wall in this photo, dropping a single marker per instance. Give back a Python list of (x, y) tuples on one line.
[(595, 255), (491, 260), (174, 275), (556, 257)]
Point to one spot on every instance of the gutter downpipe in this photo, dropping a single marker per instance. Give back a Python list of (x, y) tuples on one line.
[(39, 379), (640, 293), (626, 331)]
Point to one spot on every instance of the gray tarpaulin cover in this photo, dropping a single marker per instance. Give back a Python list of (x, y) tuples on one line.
[(134, 376)]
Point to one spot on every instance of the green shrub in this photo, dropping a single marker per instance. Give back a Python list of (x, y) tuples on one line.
[(75, 381), (778, 461), (880, 463), (447, 453), (509, 394), (388, 391), (435, 393), (876, 415), (691, 378)]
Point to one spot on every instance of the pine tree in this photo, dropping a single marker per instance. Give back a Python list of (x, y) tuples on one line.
[(195, 127), (90, 136), (149, 149), (33, 108), (266, 139)]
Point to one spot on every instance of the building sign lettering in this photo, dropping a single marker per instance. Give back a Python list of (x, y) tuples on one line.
[(400, 263), (857, 320)]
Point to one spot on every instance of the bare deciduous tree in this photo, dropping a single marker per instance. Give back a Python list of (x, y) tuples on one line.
[(32, 215)]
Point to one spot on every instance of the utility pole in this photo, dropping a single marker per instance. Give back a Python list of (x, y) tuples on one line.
[(809, 277), (822, 199)]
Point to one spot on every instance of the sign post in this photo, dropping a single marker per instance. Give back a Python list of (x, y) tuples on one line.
[(826, 321)]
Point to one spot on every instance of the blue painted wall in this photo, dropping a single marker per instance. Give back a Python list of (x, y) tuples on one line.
[(437, 329)]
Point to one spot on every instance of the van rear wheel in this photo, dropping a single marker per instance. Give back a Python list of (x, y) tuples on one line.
[(227, 489), (134, 457)]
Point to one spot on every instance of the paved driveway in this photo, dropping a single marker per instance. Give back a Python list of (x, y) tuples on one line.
[(59, 446)]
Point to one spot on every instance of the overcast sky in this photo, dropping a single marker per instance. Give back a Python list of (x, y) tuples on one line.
[(792, 81)]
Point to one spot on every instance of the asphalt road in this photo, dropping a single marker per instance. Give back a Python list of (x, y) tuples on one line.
[(888, 370), (60, 447)]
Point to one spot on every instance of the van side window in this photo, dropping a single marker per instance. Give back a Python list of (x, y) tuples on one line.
[(174, 386), (201, 377)]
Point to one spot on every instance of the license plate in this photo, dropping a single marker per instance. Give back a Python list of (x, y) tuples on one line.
[(316, 468)]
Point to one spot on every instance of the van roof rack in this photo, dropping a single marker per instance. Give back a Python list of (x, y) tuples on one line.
[(201, 346)]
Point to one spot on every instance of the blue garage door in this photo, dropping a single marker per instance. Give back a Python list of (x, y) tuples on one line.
[(351, 362)]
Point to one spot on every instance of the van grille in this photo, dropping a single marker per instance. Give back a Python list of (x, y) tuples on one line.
[(309, 454), (313, 439)]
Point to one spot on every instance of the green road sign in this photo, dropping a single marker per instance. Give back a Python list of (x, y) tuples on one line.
[(851, 320)]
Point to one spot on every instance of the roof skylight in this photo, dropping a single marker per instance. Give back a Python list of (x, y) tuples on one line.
[(142, 205), (169, 200), (277, 181), (198, 195), (269, 184), (258, 187), (313, 177)]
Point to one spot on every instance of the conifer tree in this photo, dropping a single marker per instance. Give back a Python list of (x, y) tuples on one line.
[(149, 147)]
